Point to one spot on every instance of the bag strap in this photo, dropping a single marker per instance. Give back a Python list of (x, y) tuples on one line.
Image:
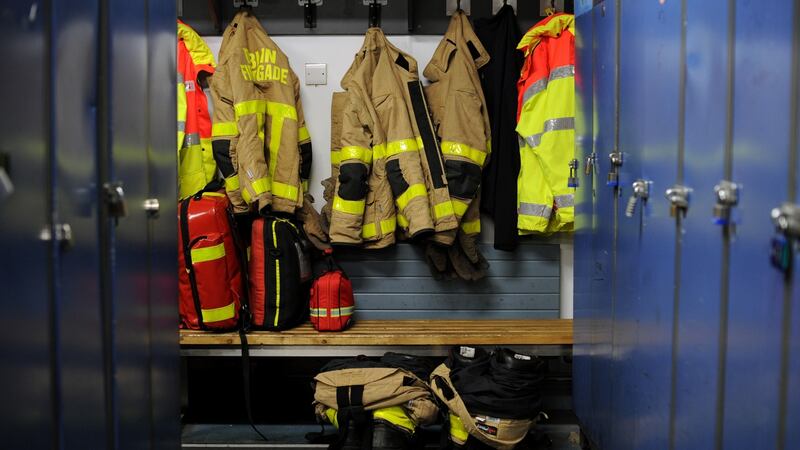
[(187, 260), (331, 262), (246, 381)]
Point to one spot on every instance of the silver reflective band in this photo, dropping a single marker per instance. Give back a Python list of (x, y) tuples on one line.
[(562, 123), (181, 126), (191, 139), (534, 209), (539, 86), (564, 201), (180, 78)]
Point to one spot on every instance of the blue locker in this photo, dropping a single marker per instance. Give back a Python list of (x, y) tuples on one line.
[(26, 335), (761, 133)]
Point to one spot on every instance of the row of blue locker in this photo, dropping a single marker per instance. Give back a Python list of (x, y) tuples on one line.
[(88, 354), (687, 336)]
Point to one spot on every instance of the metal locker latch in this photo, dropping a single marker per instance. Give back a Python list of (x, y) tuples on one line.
[(727, 194), (62, 231), (641, 192), (591, 160), (572, 182), (115, 200), (152, 207), (678, 197), (613, 175), (787, 225)]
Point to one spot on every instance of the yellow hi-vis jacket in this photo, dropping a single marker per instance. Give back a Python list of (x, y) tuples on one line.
[(390, 166), (196, 167), (460, 117), (261, 143), (546, 126)]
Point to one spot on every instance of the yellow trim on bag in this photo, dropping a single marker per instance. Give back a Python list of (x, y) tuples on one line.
[(224, 129), (213, 194), (277, 277), (471, 227), (413, 191), (200, 255), (284, 190), (387, 226), (464, 151), (334, 312), (349, 206), (302, 134), (219, 314), (355, 152), (395, 415)]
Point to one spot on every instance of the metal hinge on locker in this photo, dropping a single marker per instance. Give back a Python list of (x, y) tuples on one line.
[(678, 197), (641, 192), (727, 194), (787, 225), (613, 174)]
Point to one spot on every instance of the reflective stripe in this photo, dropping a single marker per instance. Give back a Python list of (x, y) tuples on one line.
[(443, 209), (555, 74), (191, 139), (396, 416), (459, 207), (304, 183), (204, 254), (262, 106), (402, 221), (213, 194), (224, 129), (562, 123), (332, 312), (219, 314), (465, 151), (564, 201), (535, 209), (180, 77), (232, 183), (348, 206), (181, 125), (457, 430), (330, 413), (248, 252), (387, 226), (281, 110), (302, 134), (284, 190), (471, 227), (336, 157), (394, 147), (413, 191), (354, 152), (277, 277), (258, 186)]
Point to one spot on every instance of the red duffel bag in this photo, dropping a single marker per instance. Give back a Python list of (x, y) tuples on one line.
[(332, 302), (209, 270)]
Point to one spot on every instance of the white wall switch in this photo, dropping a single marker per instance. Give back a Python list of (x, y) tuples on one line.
[(316, 74)]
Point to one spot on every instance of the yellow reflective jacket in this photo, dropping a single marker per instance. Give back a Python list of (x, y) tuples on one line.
[(460, 117), (261, 143), (196, 167), (390, 166)]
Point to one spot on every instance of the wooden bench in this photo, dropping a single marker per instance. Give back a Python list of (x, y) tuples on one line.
[(375, 337)]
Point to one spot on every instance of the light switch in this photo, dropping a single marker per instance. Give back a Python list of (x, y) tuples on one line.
[(316, 74)]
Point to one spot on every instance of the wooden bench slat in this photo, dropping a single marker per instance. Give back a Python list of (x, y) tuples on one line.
[(406, 332)]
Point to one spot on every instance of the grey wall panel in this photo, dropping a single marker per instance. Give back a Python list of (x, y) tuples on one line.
[(27, 407), (163, 264), (396, 283)]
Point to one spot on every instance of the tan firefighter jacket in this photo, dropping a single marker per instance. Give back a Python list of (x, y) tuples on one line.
[(390, 167), (260, 140), (499, 433), (372, 389), (460, 117)]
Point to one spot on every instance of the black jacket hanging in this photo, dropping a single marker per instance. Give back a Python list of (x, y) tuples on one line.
[(499, 35)]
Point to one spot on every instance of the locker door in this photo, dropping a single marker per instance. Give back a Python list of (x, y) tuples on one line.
[(699, 308), (28, 414), (792, 306), (584, 323), (646, 242), (761, 132), (162, 229), (81, 335)]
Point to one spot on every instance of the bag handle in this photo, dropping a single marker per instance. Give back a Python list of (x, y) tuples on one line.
[(330, 261)]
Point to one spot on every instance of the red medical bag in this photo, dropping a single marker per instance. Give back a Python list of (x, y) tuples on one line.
[(332, 301)]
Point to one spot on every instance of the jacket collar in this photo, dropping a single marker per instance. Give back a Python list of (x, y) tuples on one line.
[(459, 35), (551, 27)]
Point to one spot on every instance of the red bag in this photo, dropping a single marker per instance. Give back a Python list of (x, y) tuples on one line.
[(209, 270), (332, 302)]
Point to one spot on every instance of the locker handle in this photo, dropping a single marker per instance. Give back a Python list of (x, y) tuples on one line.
[(6, 185)]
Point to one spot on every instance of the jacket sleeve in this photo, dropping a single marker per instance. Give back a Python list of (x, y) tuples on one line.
[(224, 133), (355, 160), (282, 128), (303, 141)]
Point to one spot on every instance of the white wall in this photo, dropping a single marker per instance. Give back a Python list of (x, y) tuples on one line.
[(337, 52)]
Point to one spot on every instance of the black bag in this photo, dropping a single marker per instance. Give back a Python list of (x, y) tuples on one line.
[(280, 274)]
